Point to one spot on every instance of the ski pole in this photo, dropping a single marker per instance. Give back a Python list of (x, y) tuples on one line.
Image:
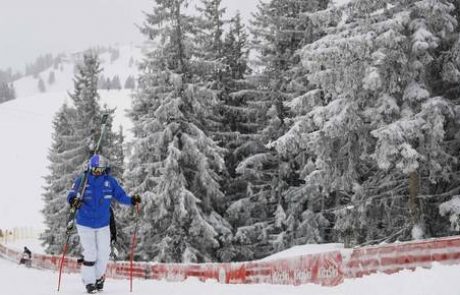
[(61, 263), (133, 246)]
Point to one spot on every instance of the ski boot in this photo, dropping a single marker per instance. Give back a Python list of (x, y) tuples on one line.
[(91, 289), (100, 283)]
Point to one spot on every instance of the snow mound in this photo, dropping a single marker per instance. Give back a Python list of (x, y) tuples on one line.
[(305, 250)]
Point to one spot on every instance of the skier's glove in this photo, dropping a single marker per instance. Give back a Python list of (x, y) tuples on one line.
[(75, 202), (136, 199)]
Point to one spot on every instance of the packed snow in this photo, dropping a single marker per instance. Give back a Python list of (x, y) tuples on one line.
[(18, 280), (341, 2), (305, 250), (440, 279)]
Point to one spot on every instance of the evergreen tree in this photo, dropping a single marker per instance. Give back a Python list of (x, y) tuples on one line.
[(85, 97), (57, 184), (130, 83), (422, 151), (7, 92), (280, 28), (108, 84), (101, 82), (9, 76), (116, 84), (175, 165), (364, 124), (114, 54), (208, 65), (238, 134), (77, 129), (330, 127), (41, 85), (42, 63), (210, 32), (51, 78)]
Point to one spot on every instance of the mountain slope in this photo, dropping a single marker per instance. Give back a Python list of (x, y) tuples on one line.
[(120, 61), (25, 133)]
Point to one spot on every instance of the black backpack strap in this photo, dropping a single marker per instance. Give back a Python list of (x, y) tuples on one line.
[(113, 226)]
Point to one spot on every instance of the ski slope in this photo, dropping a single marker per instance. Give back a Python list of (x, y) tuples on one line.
[(18, 280), (26, 136), (26, 132)]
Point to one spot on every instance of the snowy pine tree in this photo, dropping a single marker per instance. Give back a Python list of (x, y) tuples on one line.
[(116, 84), (51, 78), (279, 29), (57, 185), (7, 92), (413, 142), (130, 83), (41, 85), (101, 82), (174, 165), (364, 124), (239, 135), (76, 130)]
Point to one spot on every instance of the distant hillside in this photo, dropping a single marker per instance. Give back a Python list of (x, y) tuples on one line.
[(26, 136), (118, 62), (26, 129)]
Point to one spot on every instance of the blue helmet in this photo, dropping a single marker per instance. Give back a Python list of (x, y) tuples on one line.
[(98, 164)]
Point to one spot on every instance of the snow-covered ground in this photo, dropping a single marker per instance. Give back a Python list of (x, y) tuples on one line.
[(18, 280), (305, 250), (340, 2), (440, 279)]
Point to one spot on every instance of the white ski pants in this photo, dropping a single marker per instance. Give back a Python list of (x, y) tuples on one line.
[(96, 252)]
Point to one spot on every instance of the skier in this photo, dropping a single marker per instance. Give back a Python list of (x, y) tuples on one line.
[(93, 218)]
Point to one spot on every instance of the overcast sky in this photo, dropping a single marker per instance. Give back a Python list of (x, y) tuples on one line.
[(29, 28)]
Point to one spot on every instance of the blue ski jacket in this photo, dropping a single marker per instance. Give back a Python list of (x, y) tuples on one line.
[(94, 211)]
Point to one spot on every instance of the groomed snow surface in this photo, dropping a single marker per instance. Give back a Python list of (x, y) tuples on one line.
[(441, 279)]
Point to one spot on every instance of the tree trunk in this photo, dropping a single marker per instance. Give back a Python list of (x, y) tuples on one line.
[(414, 203)]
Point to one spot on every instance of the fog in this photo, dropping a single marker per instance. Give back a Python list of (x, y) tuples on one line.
[(30, 28)]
